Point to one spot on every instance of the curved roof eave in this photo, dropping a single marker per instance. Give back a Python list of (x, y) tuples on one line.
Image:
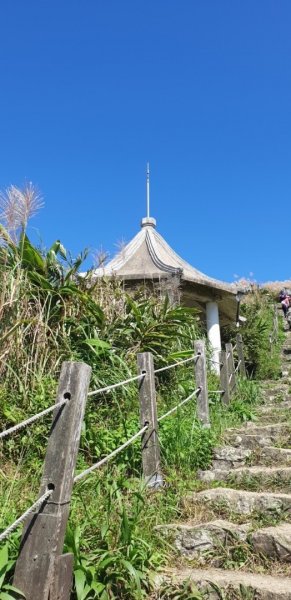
[(149, 256)]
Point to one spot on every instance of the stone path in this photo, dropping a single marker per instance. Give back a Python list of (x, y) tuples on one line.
[(238, 541)]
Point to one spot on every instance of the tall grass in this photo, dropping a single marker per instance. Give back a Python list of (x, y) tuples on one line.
[(48, 313), (262, 357)]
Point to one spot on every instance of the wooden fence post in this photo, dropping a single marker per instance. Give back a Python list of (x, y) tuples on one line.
[(201, 381), (240, 353), (148, 415), (41, 566), (224, 377), (230, 367), (276, 325), (62, 584)]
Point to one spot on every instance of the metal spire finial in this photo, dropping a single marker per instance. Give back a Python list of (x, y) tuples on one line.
[(148, 190), (148, 221)]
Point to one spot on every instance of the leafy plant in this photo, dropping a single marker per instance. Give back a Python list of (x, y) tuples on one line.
[(184, 591), (7, 591), (262, 358), (121, 560)]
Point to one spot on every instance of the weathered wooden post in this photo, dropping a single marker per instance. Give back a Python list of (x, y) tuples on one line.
[(230, 366), (240, 353), (224, 377), (42, 571), (148, 416), (276, 326), (62, 584), (200, 367)]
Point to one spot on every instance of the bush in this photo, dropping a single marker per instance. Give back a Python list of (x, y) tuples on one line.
[(262, 358)]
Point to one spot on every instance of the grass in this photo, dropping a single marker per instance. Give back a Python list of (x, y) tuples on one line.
[(115, 498), (199, 512), (49, 314), (237, 555), (260, 483)]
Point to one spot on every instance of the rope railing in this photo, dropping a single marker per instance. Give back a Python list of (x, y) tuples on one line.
[(177, 364), (237, 366), (5, 534), (116, 385), (32, 419), (64, 441), (172, 410), (106, 459), (273, 336), (215, 362), (141, 376)]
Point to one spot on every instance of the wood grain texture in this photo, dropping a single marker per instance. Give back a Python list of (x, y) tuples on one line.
[(43, 536), (148, 414), (201, 381)]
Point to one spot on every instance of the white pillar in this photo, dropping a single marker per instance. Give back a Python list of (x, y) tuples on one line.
[(213, 331)]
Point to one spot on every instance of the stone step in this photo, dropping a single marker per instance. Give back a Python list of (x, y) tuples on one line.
[(229, 456), (241, 501), (274, 413), (285, 372), (273, 429), (192, 540), (273, 542), (252, 435), (270, 454), (274, 388), (270, 383), (250, 441), (236, 584), (276, 396), (273, 409), (238, 475), (267, 418)]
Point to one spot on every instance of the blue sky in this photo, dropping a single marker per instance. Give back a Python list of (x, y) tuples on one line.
[(93, 89)]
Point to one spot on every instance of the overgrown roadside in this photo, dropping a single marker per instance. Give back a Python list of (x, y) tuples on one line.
[(47, 315)]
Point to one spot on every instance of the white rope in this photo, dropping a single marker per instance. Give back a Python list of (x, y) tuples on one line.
[(215, 362), (237, 366), (20, 520), (215, 391), (178, 405), (230, 378), (116, 385), (111, 455), (138, 377), (181, 362), (32, 419)]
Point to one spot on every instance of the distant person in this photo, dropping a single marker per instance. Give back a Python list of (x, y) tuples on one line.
[(285, 300)]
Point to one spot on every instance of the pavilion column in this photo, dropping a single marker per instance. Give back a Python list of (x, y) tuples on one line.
[(213, 331)]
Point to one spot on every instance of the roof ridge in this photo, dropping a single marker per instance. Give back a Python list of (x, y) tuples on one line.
[(159, 263)]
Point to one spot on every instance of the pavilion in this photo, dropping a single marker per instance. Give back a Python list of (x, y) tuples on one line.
[(148, 259)]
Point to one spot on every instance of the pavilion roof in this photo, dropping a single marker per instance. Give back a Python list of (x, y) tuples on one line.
[(149, 256)]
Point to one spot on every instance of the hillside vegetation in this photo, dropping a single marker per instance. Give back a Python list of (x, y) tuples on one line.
[(49, 314)]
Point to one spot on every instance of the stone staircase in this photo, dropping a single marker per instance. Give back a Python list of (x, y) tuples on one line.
[(237, 543)]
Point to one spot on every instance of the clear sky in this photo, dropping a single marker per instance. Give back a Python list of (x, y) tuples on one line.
[(93, 89)]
